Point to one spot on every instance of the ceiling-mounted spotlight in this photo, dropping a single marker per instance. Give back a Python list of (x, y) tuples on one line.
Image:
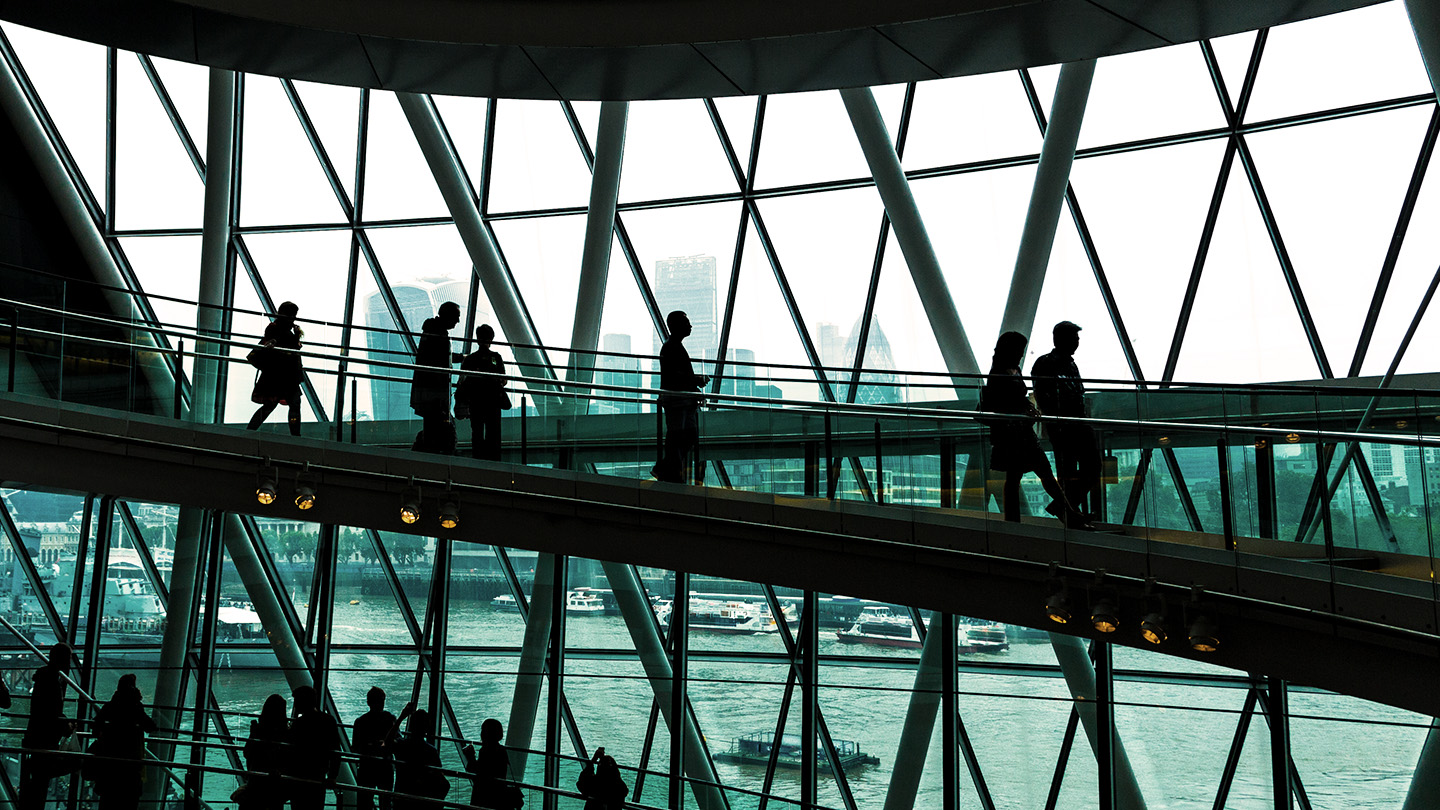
[(1105, 616), (305, 496), (1152, 628), (1204, 635), (410, 503), (1057, 607), (449, 509), (265, 482)]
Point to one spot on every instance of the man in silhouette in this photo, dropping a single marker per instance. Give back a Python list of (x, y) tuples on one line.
[(680, 399), (45, 729), (430, 390), (314, 751), (481, 399), (373, 739), (1059, 391)]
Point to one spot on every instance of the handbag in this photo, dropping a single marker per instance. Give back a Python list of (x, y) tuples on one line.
[(261, 356)]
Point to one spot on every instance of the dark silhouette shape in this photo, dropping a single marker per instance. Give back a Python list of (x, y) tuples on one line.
[(489, 767), (120, 729), (1059, 391), (45, 729), (417, 764), (1013, 446), (430, 390), (481, 399), (372, 739), (279, 379), (680, 398), (314, 751), (265, 758), (602, 787)]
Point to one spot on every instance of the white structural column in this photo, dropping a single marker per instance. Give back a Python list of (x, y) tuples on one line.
[(215, 265), (1079, 674), (919, 726), (599, 236), (528, 681), (1424, 789), (445, 166), (82, 226), (1047, 196), (910, 232), (640, 620)]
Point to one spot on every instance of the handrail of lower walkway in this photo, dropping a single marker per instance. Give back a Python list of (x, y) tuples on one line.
[(1278, 613)]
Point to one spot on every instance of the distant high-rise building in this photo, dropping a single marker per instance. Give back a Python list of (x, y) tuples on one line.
[(618, 371), (876, 385), (688, 283), (417, 301)]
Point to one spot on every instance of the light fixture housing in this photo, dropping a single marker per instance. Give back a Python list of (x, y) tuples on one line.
[(410, 504), (265, 485), (1057, 607), (1105, 617), (1204, 635), (449, 510), (1152, 628), (305, 494)]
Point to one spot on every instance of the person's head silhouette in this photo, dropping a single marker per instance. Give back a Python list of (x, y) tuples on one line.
[(491, 731), (449, 315), (1067, 337), (60, 656), (484, 335), (1009, 351), (678, 323), (305, 699), (375, 698)]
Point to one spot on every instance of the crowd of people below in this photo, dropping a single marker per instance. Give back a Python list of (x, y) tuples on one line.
[(292, 755)]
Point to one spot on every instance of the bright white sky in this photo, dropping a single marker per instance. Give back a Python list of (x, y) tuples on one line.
[(1335, 187)]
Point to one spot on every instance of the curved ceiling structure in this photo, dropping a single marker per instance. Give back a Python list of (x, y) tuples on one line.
[(644, 49)]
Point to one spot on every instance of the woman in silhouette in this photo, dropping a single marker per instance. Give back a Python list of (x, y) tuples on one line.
[(279, 380), (121, 726), (488, 768), (602, 787), (265, 758), (1013, 446)]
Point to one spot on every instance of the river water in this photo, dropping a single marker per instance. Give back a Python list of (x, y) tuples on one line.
[(1349, 753)]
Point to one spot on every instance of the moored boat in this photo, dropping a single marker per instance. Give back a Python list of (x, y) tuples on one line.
[(584, 602), (755, 749), (505, 603)]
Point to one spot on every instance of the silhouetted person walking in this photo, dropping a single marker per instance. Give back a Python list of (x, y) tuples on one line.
[(680, 398), (417, 764), (313, 751), (602, 787), (488, 768), (279, 380), (430, 390), (120, 727), (265, 758), (46, 727), (481, 399), (1013, 446), (1059, 391), (372, 739)]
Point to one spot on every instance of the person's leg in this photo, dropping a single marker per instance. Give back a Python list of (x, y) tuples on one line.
[(386, 781), (492, 434), (261, 414), (669, 467), (432, 429), (1012, 495), (689, 439), (294, 417)]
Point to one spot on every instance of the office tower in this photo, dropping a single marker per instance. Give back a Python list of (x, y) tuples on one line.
[(618, 371), (688, 283), (417, 301)]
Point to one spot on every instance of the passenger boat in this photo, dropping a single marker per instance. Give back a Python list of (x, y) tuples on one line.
[(505, 603), (755, 749), (767, 619), (724, 617), (878, 625), (584, 602)]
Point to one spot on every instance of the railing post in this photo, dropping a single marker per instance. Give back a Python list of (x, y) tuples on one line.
[(179, 373), (1265, 488), (1104, 723), (1228, 519), (812, 469), (879, 466), (340, 406), (354, 408), (659, 433), (947, 472), (831, 476), (679, 670), (524, 439)]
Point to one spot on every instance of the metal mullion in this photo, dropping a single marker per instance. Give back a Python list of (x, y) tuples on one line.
[(579, 133), (32, 574), (1237, 745), (1137, 487), (346, 333), (112, 101), (268, 304), (1397, 241), (1063, 759), (728, 319), (1202, 253), (487, 161), (1177, 478), (272, 576), (387, 568), (647, 294), (96, 609), (1252, 71), (725, 145), (171, 112), (362, 151), (82, 552), (789, 297), (321, 154), (510, 279), (383, 285), (755, 133), (1282, 254)]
